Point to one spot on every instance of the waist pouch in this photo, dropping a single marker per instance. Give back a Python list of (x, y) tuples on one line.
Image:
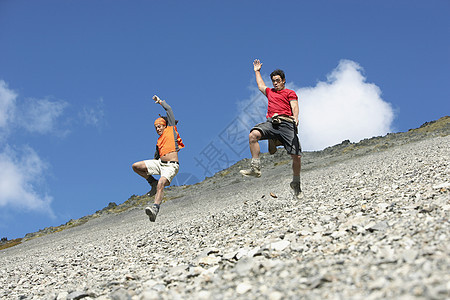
[(277, 119)]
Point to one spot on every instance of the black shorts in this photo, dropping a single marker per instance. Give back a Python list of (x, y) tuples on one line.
[(285, 132)]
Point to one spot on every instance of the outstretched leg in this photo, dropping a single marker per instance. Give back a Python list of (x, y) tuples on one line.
[(162, 183), (295, 184), (296, 164), (152, 211)]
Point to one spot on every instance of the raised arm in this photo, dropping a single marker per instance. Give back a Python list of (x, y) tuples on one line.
[(170, 115), (257, 68)]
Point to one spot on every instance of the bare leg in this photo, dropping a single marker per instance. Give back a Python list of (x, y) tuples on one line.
[(253, 139), (296, 164), (295, 184), (163, 182), (255, 166), (141, 169)]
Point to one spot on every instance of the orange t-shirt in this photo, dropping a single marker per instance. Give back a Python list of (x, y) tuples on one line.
[(169, 141)]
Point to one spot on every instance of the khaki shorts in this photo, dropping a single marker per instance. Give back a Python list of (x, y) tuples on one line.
[(166, 169)]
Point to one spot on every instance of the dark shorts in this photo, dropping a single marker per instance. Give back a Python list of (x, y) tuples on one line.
[(285, 132)]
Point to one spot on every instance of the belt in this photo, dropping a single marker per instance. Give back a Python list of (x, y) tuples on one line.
[(276, 119), (170, 162)]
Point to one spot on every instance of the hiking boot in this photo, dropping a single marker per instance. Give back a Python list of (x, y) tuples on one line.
[(152, 192), (251, 172), (273, 146), (295, 186), (255, 170), (152, 212)]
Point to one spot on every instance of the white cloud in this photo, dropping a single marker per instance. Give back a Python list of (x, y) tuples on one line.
[(7, 106), (20, 173), (94, 116), (344, 107), (40, 115), (33, 115)]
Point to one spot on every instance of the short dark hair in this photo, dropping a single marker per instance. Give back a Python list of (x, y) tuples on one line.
[(277, 72)]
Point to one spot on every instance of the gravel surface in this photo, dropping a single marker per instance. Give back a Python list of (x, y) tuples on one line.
[(369, 227)]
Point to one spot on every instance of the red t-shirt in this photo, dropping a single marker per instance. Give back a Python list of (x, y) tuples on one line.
[(280, 102)]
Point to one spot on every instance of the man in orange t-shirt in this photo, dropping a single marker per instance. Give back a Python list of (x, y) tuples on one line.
[(165, 162)]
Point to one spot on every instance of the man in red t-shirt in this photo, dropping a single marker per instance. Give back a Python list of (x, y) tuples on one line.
[(281, 125)]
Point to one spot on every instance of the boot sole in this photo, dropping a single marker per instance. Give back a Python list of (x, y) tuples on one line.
[(246, 175), (299, 195), (150, 214)]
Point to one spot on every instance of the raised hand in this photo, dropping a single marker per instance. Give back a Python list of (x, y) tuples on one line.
[(257, 65), (157, 100)]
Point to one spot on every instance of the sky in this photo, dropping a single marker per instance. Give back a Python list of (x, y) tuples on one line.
[(77, 79)]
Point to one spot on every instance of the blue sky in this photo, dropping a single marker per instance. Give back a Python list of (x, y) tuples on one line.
[(77, 77)]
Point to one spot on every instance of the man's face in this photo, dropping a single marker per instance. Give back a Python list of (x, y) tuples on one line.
[(159, 128), (278, 83)]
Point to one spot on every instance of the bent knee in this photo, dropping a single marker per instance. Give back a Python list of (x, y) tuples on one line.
[(254, 136), (139, 166)]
